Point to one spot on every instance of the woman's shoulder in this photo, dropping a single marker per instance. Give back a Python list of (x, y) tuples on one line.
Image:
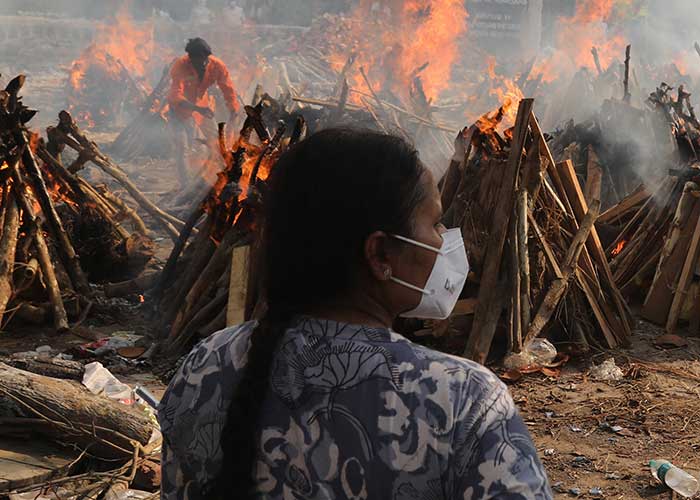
[(463, 376), (218, 357)]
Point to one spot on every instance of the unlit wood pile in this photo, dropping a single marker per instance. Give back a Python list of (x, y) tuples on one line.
[(57, 231), (530, 234), (193, 290)]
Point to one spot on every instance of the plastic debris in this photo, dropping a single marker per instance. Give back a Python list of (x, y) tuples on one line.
[(675, 478), (549, 452), (596, 492), (99, 380), (575, 492), (538, 352), (607, 371)]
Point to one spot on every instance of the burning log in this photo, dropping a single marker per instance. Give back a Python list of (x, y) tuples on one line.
[(55, 226), (196, 303)]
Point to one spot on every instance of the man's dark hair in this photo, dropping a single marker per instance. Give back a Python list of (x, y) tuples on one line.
[(198, 47)]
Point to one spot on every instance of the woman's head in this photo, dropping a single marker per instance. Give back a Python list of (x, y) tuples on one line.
[(332, 205), (334, 202)]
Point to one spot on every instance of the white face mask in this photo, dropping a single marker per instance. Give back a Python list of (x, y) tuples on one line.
[(446, 280)]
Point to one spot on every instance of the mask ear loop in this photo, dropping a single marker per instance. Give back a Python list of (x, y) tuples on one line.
[(412, 287), (417, 243)]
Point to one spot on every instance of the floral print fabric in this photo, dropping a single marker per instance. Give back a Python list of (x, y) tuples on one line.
[(352, 413)]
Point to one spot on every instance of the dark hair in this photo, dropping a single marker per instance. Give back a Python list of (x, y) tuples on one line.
[(198, 47), (326, 195)]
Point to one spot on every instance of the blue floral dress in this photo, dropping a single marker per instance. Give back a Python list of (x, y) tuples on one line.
[(351, 413)]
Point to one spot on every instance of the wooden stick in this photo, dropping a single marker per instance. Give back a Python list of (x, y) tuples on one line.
[(70, 258), (558, 287), (138, 225), (681, 292), (60, 318), (596, 60), (484, 326), (8, 248), (627, 95), (524, 259), (516, 328), (625, 206)]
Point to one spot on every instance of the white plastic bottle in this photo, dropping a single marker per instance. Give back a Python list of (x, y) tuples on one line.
[(677, 479)]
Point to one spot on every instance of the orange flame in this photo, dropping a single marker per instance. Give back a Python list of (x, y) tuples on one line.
[(118, 56), (577, 35), (616, 251), (417, 38)]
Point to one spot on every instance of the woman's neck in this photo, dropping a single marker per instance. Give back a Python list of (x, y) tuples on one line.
[(363, 310)]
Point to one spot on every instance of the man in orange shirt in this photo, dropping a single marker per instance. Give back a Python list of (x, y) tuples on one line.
[(191, 106)]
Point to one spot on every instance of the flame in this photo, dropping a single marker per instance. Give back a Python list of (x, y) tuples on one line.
[(589, 27), (418, 39), (116, 62), (141, 299), (616, 251)]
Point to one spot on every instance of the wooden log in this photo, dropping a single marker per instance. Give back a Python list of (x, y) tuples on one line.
[(54, 368), (659, 298), (558, 287), (204, 247), (131, 214), (627, 96), (70, 259), (77, 415), (170, 265), (60, 318), (204, 316), (596, 60), (625, 206), (27, 275), (238, 286), (206, 279), (8, 248), (215, 325), (136, 285), (515, 327), (524, 258), (686, 276), (35, 315), (486, 317), (594, 246)]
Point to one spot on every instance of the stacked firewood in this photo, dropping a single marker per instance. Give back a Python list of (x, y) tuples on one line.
[(205, 284), (655, 253), (538, 262), (58, 232)]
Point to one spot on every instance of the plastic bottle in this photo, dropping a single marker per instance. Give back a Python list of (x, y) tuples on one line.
[(677, 479)]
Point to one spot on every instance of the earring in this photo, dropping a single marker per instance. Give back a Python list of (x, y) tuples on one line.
[(387, 273)]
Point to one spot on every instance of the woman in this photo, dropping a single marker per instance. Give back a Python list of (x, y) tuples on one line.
[(320, 399)]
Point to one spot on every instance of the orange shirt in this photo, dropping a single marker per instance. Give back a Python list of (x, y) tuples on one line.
[(186, 86)]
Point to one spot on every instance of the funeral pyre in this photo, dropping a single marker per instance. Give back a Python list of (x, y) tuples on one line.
[(60, 233)]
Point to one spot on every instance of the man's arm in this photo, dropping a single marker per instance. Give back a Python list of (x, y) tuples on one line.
[(224, 82)]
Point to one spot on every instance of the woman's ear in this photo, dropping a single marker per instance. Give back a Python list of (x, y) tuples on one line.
[(377, 255)]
